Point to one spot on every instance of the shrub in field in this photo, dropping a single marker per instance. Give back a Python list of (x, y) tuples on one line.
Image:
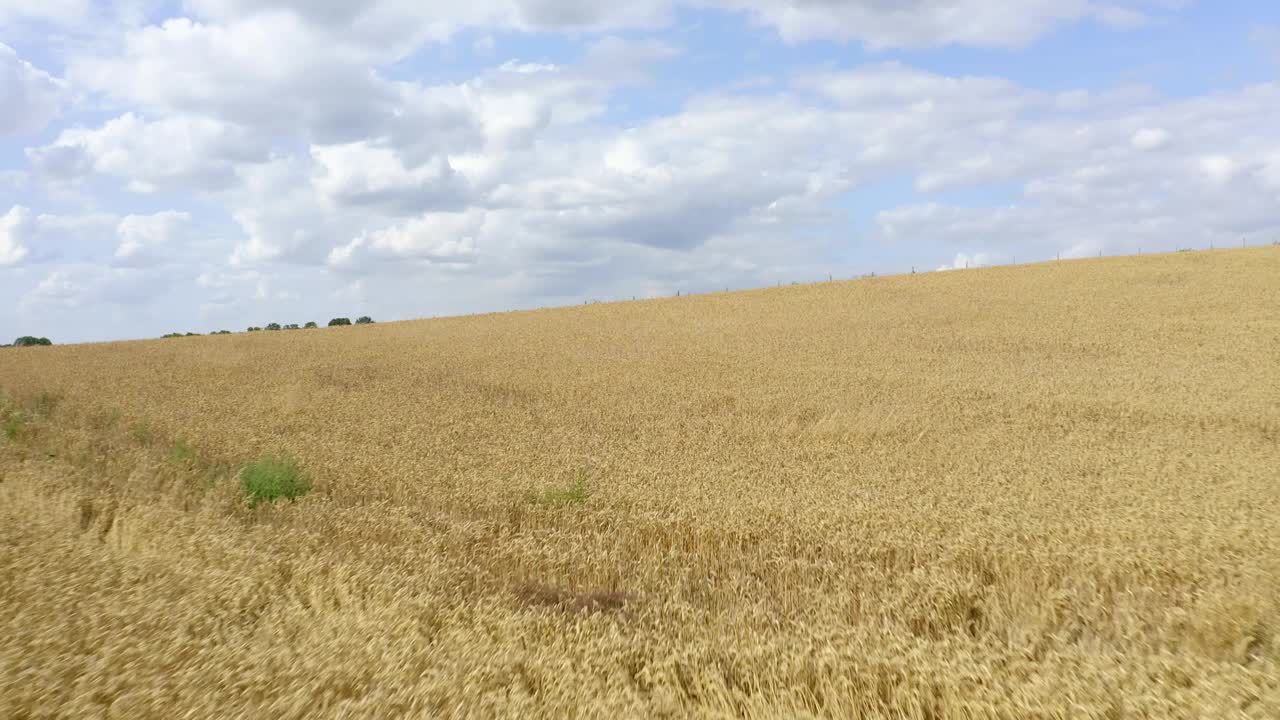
[(253, 329), (310, 325), (13, 425), (336, 322), (273, 326), (221, 332), (141, 434), (171, 335), (293, 326), (576, 494), (31, 341), (364, 320), (273, 477), (183, 453)]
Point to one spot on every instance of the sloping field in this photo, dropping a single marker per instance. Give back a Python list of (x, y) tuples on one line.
[(1048, 491)]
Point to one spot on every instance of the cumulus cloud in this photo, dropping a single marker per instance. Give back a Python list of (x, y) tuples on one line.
[(179, 151), (14, 227), (143, 236), (30, 97), (26, 236), (364, 174), (84, 285), (1218, 168), (269, 71), (438, 238)]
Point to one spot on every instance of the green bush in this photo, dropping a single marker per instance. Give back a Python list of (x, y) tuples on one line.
[(171, 335), (310, 325), (293, 326), (13, 425), (273, 326), (31, 341), (271, 478), (221, 332), (141, 434), (253, 329), (364, 320), (559, 497), (336, 322), (183, 453)]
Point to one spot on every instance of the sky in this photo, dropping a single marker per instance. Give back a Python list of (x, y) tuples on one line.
[(197, 165)]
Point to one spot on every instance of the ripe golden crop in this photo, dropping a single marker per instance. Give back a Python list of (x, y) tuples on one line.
[(1049, 491)]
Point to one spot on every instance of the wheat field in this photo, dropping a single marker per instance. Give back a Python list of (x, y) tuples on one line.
[(1045, 491)]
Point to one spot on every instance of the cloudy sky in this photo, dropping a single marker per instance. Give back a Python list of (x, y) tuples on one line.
[(208, 164)]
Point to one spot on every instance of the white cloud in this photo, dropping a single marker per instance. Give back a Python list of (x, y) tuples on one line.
[(180, 151), (14, 228), (282, 216), (1218, 168), (269, 71), (58, 287), (29, 237), (1150, 138), (440, 238), (84, 285), (965, 261), (362, 174), (141, 236), (30, 97)]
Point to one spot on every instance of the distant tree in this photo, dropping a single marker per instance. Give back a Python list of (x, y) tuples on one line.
[(169, 335), (273, 326), (192, 334), (309, 326), (292, 326), (221, 332), (253, 329), (339, 321), (31, 341), (364, 320)]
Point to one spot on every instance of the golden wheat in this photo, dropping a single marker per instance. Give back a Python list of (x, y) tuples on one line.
[(1049, 491)]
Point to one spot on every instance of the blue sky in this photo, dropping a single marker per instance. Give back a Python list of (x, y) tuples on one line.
[(191, 166)]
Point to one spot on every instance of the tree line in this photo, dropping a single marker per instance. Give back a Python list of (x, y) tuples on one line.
[(335, 322), (29, 341), (32, 341)]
